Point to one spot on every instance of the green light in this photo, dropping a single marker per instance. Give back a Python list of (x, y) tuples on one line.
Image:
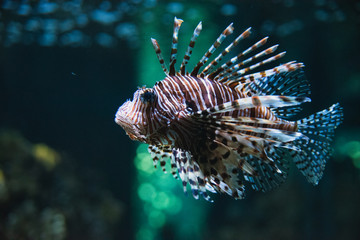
[(143, 162), (156, 202), (356, 159), (175, 205), (161, 201), (350, 148), (354, 149), (142, 148), (167, 181), (157, 219), (144, 234), (146, 192)]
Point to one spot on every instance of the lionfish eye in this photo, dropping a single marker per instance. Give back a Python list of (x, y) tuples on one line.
[(148, 96)]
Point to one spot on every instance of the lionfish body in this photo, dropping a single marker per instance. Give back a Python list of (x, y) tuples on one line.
[(227, 125)]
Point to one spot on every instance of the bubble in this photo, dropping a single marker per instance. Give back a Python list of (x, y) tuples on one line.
[(175, 204), (175, 7), (321, 15), (72, 6), (142, 148), (45, 7), (105, 6), (104, 17), (149, 3), (144, 234), (143, 162), (50, 25), (193, 13), (146, 192), (161, 201), (47, 39), (66, 25), (156, 219), (73, 38), (82, 20), (125, 7), (9, 5), (268, 27), (105, 40), (13, 30), (297, 25), (24, 9), (125, 30), (289, 27), (32, 25), (148, 17), (228, 10)]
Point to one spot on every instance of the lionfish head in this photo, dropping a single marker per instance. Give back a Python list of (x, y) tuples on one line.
[(131, 116)]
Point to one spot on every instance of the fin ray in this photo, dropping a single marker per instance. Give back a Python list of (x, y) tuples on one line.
[(216, 44), (319, 127), (251, 102)]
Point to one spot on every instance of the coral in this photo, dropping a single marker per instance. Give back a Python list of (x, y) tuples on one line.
[(41, 197)]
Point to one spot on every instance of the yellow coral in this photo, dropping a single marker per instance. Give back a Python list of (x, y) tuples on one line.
[(3, 191), (2, 177), (46, 155)]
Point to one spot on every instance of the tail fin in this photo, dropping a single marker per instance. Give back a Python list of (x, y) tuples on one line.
[(319, 128)]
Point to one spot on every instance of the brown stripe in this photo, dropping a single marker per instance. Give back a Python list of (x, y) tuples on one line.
[(256, 101), (205, 94), (193, 88), (219, 99)]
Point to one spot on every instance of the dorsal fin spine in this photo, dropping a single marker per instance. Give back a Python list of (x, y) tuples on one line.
[(190, 47), (229, 30), (242, 36), (177, 24), (159, 55)]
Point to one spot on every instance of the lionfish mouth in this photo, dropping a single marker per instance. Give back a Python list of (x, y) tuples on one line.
[(125, 121), (128, 127)]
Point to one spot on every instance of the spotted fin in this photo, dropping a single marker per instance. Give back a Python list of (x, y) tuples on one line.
[(319, 128), (162, 154), (223, 167), (245, 158), (285, 84), (256, 153), (190, 173), (268, 177)]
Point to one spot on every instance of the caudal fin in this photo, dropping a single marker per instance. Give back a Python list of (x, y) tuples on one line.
[(319, 128)]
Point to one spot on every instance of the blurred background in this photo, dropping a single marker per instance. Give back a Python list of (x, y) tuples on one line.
[(67, 171)]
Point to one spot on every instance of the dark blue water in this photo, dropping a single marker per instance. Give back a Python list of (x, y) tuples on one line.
[(65, 68)]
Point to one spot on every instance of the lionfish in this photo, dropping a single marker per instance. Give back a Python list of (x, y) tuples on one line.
[(223, 125)]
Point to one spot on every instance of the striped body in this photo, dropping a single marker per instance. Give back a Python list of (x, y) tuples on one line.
[(227, 125), (179, 96)]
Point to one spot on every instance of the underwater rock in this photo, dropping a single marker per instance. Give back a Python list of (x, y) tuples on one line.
[(42, 197)]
